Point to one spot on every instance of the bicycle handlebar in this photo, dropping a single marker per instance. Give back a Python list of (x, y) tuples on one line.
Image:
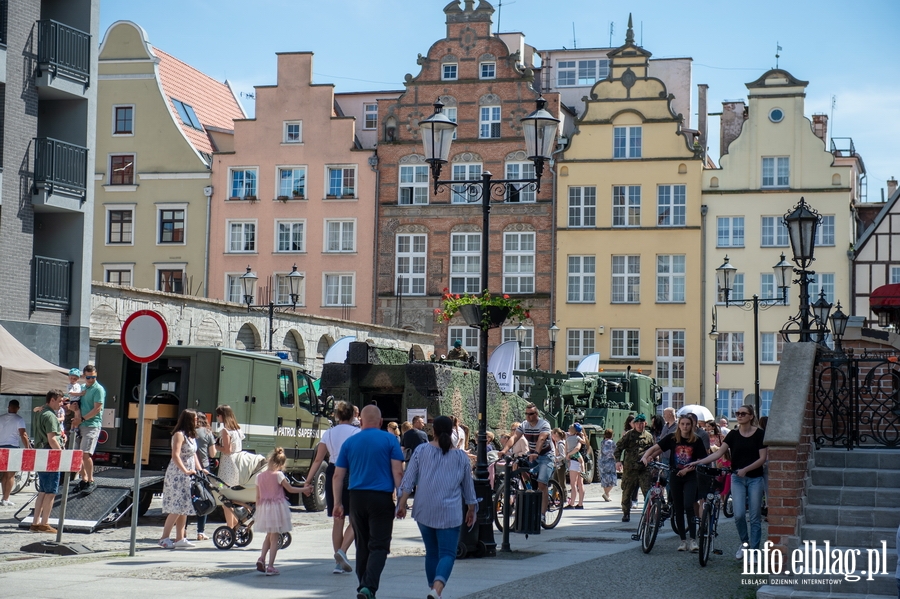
[(712, 470)]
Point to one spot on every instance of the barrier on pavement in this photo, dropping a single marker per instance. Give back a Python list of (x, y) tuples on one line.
[(40, 460)]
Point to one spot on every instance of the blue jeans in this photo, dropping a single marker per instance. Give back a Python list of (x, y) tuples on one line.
[(544, 466), (741, 488), (440, 552)]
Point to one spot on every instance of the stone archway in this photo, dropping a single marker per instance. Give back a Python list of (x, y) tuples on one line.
[(247, 338), (325, 342), (209, 333), (295, 346), (417, 352)]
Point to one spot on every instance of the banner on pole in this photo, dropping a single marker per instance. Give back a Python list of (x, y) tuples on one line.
[(502, 363)]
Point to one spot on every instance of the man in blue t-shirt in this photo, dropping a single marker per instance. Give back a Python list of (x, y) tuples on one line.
[(375, 462)]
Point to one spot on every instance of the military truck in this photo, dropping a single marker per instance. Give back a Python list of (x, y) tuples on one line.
[(390, 379), (596, 400), (275, 401)]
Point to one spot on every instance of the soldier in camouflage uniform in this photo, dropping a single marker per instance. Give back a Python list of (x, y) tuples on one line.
[(628, 454)]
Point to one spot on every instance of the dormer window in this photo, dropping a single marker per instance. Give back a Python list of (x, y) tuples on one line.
[(449, 71), (488, 70)]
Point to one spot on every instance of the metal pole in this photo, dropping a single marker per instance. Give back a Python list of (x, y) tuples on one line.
[(271, 323), (804, 304), (507, 493), (65, 497), (138, 451), (756, 350)]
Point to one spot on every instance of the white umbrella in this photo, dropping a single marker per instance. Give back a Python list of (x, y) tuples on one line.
[(702, 412)]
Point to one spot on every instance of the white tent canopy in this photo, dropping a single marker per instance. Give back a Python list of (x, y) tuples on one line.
[(22, 372)]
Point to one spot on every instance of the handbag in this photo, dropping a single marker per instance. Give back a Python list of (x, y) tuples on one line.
[(201, 497)]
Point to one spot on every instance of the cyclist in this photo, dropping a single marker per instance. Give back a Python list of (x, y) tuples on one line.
[(684, 447), (536, 431)]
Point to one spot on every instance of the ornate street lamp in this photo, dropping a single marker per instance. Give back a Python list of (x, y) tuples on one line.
[(248, 286), (802, 223), (839, 326), (248, 283)]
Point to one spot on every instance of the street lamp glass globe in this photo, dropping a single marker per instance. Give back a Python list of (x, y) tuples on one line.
[(725, 277), (821, 308), (554, 331), (802, 223), (437, 135), (839, 322), (248, 284), (783, 273), (540, 128), (520, 332), (294, 280)]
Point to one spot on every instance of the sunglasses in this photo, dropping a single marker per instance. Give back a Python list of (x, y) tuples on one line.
[(742, 413), (531, 413), (89, 378)]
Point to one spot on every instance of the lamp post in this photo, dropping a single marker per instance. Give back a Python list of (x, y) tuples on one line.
[(839, 327), (802, 222), (714, 337), (540, 128), (725, 282), (553, 331), (248, 286)]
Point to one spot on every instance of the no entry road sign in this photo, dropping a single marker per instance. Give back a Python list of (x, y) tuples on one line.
[(144, 336)]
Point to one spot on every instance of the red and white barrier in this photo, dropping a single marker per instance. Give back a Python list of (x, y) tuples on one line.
[(40, 460)]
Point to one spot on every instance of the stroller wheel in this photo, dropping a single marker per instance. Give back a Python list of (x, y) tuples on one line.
[(243, 536), (223, 538), (285, 540)]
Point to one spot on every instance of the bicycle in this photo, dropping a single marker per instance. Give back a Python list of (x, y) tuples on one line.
[(22, 480), (525, 478), (655, 508), (709, 518)]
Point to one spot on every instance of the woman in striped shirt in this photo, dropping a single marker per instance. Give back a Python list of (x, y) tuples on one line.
[(442, 477)]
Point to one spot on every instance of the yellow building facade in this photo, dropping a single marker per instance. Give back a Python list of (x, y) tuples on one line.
[(628, 276)]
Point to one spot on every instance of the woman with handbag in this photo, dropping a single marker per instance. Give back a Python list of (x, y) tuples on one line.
[(177, 486), (230, 442)]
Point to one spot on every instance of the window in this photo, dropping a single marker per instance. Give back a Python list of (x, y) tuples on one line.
[(340, 236), (776, 171), (626, 206), (118, 274), (770, 348), (488, 70), (170, 281), (825, 231), (626, 279), (582, 206), (465, 262), (119, 227), (283, 291), (341, 182), (411, 255), (234, 291), (241, 236), (370, 116), (670, 367), (525, 355), (566, 74), (626, 142), (187, 114), (767, 289), (121, 169), (765, 401), (413, 185), (289, 236), (464, 172), (518, 263), (123, 120), (730, 347), (737, 289), (293, 132), (591, 71), (490, 122), (774, 233), (579, 344), (670, 279), (450, 111), (728, 401), (582, 280), (292, 182), (626, 343), (243, 183), (448, 71), (895, 274), (338, 289), (467, 335), (525, 191), (671, 205), (822, 281), (171, 225), (730, 231)]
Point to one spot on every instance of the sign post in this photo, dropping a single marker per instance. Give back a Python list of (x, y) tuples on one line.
[(144, 338)]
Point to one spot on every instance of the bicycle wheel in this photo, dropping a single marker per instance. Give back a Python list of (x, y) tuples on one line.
[(728, 506), (705, 534), (554, 505), (498, 504), (651, 525)]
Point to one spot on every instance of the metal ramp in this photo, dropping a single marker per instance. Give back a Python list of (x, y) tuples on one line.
[(106, 506)]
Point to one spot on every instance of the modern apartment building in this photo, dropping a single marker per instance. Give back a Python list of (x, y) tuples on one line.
[(48, 91), (159, 122)]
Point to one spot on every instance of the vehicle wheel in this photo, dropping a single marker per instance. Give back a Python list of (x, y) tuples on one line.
[(480, 549), (728, 506), (461, 550), (555, 505), (146, 498), (223, 538), (705, 535), (596, 478), (590, 473), (651, 527), (316, 500), (243, 536), (285, 540)]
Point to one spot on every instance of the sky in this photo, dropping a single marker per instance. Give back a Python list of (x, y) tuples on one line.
[(846, 50)]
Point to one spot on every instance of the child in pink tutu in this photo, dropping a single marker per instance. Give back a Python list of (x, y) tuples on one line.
[(273, 514)]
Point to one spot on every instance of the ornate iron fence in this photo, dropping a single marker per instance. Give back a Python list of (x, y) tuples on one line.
[(856, 401)]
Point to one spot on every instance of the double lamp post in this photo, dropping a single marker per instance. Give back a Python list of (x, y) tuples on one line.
[(248, 286), (540, 129)]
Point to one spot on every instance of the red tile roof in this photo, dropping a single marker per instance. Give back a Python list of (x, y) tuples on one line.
[(213, 102)]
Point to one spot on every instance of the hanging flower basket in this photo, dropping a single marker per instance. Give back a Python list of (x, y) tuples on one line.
[(484, 311)]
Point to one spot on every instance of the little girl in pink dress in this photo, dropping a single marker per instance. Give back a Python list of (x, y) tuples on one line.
[(273, 513)]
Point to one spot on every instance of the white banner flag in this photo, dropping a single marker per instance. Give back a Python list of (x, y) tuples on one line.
[(502, 363), (590, 363)]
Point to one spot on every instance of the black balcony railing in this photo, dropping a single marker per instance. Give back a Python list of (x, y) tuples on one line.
[(64, 49), (58, 164), (52, 284), (4, 13)]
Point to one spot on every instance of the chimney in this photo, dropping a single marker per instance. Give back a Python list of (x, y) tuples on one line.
[(702, 114), (892, 186), (734, 113), (820, 127)]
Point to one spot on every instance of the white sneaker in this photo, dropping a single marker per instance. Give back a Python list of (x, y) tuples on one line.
[(341, 558), (432, 594), (694, 547), (183, 544), (166, 543), (337, 569), (739, 555), (7, 503), (683, 546)]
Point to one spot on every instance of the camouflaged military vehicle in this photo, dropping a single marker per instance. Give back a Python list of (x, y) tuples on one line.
[(388, 378), (597, 400)]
